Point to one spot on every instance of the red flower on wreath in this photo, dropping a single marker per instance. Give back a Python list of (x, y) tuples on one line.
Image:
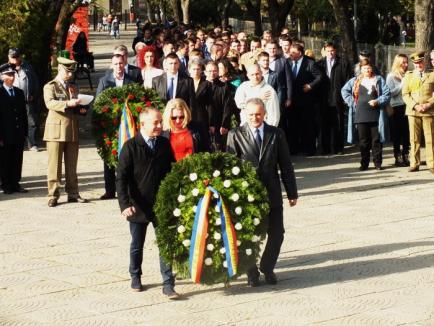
[(148, 103), (104, 135), (131, 96), (114, 152), (115, 122), (142, 99), (105, 109), (139, 109), (108, 142), (115, 100)]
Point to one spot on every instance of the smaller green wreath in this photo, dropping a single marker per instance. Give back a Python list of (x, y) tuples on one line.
[(107, 111), (243, 194)]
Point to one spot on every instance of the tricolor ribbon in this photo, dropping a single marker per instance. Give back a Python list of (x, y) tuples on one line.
[(199, 233), (127, 127)]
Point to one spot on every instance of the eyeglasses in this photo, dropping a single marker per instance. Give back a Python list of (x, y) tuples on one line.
[(181, 117)]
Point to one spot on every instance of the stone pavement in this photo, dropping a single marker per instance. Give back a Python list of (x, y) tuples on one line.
[(358, 250)]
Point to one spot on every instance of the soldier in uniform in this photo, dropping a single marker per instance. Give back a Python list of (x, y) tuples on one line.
[(418, 95), (61, 132), (13, 130)]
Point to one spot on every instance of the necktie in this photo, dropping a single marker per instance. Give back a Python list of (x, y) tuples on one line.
[(151, 143), (170, 89), (258, 139), (294, 69), (11, 92)]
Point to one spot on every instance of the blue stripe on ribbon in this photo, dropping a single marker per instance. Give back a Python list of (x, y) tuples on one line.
[(194, 233)]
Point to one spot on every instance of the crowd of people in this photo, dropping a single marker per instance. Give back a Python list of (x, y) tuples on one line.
[(262, 99)]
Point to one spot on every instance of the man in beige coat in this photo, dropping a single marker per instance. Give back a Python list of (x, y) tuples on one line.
[(418, 95), (61, 132)]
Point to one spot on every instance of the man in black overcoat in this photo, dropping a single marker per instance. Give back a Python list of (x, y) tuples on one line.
[(143, 163), (266, 148), (13, 131)]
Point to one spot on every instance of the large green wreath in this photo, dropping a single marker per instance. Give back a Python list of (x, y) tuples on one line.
[(179, 193), (107, 112)]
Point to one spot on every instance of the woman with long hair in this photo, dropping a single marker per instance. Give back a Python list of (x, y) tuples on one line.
[(185, 138), (400, 133), (366, 96), (147, 61), (81, 52)]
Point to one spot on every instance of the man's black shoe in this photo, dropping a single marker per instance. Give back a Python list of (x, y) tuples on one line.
[(270, 278), (107, 196), (18, 188), (52, 202), (253, 281), (136, 284), (8, 191), (77, 200), (171, 294)]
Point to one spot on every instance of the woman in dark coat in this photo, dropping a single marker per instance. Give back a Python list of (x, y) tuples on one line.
[(81, 53)]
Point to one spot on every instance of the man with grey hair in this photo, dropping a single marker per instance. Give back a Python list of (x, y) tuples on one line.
[(143, 163), (257, 87), (265, 147)]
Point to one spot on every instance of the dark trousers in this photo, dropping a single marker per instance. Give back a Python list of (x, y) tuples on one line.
[(11, 164), (301, 132), (32, 120), (399, 130), (271, 252), (138, 235), (109, 180), (369, 138), (332, 129)]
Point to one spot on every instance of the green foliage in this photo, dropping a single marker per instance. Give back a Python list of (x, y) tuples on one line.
[(107, 112), (179, 183)]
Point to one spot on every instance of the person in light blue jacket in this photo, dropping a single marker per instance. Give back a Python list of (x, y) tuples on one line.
[(366, 96)]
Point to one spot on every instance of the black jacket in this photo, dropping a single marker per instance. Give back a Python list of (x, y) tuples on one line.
[(274, 155), (310, 74), (184, 89), (283, 70), (202, 103), (331, 86), (13, 117), (139, 174), (223, 105), (135, 74), (108, 81)]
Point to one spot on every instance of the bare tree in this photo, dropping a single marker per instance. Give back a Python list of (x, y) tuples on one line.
[(424, 19), (185, 7), (278, 13), (340, 8), (223, 8), (175, 9)]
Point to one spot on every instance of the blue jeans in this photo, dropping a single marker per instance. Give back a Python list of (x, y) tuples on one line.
[(138, 235)]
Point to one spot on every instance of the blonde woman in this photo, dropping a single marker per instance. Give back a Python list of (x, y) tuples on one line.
[(185, 136), (398, 121)]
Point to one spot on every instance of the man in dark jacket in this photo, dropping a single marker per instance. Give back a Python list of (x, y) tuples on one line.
[(265, 147), (13, 131), (143, 163), (336, 72)]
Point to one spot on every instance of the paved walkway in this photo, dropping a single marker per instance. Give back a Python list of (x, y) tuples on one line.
[(358, 250)]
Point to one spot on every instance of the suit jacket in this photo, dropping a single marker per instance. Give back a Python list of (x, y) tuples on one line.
[(62, 123), (273, 81), (274, 155), (13, 117), (184, 89), (108, 81), (284, 79), (134, 73), (310, 74), (139, 174), (416, 90), (331, 87), (202, 103), (222, 105)]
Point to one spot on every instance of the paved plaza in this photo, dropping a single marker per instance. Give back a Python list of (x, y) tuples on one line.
[(358, 250)]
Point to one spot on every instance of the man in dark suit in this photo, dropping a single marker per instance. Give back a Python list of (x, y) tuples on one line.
[(13, 131), (116, 77), (336, 72), (144, 161), (223, 104), (134, 72), (270, 77), (172, 84), (302, 115), (265, 147)]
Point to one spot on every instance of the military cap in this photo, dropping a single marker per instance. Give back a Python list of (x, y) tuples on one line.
[(417, 56), (67, 64), (7, 68), (14, 53)]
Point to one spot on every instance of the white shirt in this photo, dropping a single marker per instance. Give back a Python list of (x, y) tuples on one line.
[(149, 74), (298, 63), (261, 131), (273, 64), (119, 82), (8, 89), (330, 63), (246, 91), (175, 83)]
